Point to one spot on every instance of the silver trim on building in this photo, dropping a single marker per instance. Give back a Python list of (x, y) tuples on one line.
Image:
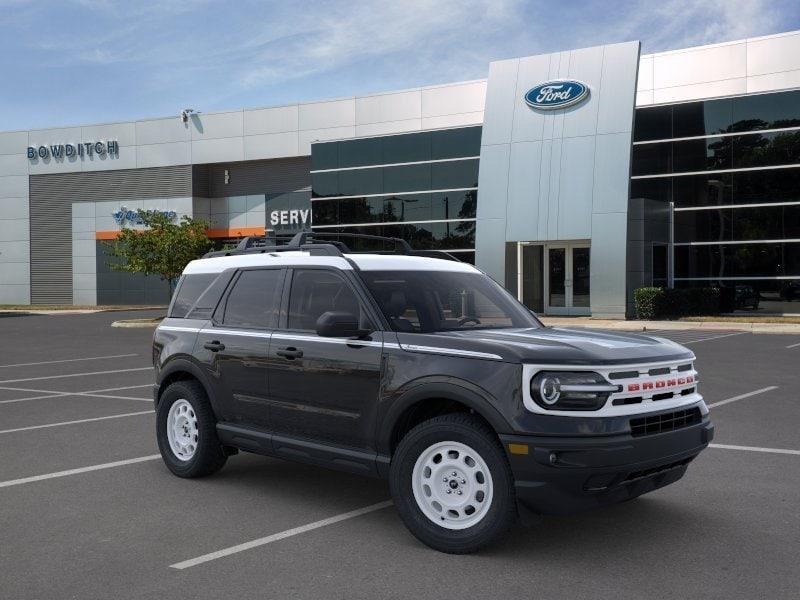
[(715, 135), (400, 164), (748, 205), (472, 220), (728, 243), (390, 194), (743, 278), (712, 172)]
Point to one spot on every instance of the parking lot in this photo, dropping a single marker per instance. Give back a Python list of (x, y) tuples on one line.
[(87, 509)]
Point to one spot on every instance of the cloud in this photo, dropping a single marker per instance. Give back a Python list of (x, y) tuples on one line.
[(676, 24), (359, 33), (159, 54)]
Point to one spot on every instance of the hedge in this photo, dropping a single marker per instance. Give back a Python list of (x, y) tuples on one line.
[(664, 303)]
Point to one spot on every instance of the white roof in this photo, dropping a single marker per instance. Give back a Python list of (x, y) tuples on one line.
[(365, 262)]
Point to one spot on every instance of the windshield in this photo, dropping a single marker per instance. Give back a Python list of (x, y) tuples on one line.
[(431, 301)]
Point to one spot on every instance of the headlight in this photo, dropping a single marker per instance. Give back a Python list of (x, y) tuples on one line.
[(564, 390)]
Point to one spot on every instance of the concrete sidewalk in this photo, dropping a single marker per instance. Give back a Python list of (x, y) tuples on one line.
[(751, 326)]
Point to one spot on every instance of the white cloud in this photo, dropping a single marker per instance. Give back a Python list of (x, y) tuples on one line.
[(421, 30), (159, 54), (675, 24)]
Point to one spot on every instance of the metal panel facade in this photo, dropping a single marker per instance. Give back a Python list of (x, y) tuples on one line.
[(57, 239), (560, 174)]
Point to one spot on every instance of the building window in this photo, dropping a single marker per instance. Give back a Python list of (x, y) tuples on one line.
[(421, 187), (735, 187)]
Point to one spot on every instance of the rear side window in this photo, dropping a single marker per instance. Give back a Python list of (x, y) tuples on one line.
[(189, 290), (253, 300)]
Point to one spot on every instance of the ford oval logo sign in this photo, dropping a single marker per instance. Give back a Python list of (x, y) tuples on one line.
[(556, 94)]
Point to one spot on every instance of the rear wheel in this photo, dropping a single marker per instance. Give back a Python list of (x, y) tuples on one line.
[(186, 431), (452, 484)]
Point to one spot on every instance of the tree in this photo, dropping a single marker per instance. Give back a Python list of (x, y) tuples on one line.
[(162, 248)]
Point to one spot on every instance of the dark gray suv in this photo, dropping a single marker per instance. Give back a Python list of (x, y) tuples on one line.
[(421, 370)]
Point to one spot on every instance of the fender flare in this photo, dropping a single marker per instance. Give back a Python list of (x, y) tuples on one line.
[(447, 388), (186, 365)]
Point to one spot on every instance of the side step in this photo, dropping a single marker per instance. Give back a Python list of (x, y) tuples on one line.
[(298, 449)]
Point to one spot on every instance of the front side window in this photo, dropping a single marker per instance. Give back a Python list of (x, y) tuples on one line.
[(253, 300), (317, 291), (433, 301)]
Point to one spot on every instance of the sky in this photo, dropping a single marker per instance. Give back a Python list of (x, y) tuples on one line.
[(73, 62)]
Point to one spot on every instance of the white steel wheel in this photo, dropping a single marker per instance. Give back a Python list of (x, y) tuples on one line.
[(182, 432), (452, 485)]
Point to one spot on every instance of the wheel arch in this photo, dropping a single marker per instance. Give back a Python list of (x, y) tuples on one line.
[(181, 369), (431, 398)]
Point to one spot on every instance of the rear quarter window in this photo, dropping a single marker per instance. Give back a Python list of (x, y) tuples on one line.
[(190, 288)]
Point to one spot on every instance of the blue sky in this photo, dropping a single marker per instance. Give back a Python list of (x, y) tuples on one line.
[(90, 61)]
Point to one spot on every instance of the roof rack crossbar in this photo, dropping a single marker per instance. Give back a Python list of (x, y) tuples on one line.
[(305, 241), (401, 246), (326, 249)]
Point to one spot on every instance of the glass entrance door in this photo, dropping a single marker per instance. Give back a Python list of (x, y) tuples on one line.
[(556, 278), (567, 269), (580, 278)]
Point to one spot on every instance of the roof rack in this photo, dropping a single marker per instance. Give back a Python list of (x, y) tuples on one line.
[(400, 245), (304, 241)]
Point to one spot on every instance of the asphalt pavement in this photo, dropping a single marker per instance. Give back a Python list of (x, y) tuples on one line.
[(88, 510)]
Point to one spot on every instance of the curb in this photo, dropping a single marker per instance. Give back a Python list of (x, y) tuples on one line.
[(642, 326), (134, 323)]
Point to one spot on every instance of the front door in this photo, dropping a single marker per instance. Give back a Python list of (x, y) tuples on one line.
[(323, 388), (566, 282)]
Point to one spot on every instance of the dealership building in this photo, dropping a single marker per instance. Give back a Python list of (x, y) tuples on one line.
[(572, 178)]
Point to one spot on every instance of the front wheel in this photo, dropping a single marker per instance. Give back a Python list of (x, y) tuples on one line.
[(452, 484), (186, 431)]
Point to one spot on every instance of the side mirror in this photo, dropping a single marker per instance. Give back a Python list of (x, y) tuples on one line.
[(338, 324)]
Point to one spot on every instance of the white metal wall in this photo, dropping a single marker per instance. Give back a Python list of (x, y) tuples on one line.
[(749, 66)]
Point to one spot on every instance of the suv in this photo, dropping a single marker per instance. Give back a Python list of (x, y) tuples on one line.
[(423, 371)]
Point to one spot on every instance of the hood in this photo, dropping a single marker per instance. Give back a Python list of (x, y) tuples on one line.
[(556, 345)]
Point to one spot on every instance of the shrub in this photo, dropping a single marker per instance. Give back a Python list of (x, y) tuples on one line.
[(662, 303), (648, 302)]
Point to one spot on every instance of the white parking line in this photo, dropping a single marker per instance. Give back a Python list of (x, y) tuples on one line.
[(715, 337), (280, 536), (793, 346), (76, 375), (755, 449), (743, 396), (69, 472), (66, 360), (133, 414), (90, 393)]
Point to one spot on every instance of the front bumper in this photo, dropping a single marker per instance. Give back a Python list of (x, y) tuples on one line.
[(563, 475)]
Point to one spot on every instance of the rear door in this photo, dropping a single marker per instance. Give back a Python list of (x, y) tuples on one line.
[(234, 346), (323, 388)]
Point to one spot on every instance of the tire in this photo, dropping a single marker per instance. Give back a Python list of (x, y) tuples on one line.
[(185, 402), (458, 440)]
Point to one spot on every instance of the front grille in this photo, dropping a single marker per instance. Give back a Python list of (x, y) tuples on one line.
[(665, 422)]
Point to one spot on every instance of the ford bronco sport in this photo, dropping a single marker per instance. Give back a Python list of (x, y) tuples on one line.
[(421, 370)]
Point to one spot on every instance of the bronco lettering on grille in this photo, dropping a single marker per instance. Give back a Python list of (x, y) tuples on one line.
[(660, 384)]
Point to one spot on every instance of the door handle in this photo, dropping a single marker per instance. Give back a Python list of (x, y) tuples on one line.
[(290, 353), (214, 346)]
